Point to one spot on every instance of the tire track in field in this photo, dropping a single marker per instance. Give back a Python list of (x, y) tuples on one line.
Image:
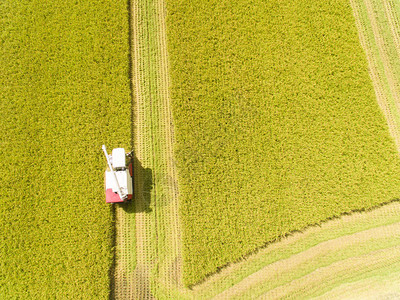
[(379, 39), (134, 266), (146, 252), (125, 240)]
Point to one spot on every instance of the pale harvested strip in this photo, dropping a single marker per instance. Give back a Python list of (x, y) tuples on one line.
[(170, 247), (313, 243), (378, 31), (125, 258), (284, 272), (385, 83), (323, 278), (385, 36), (378, 287), (135, 283), (146, 254), (393, 19), (158, 259)]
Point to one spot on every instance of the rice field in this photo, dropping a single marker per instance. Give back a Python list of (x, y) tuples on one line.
[(276, 122), (264, 166), (64, 92)]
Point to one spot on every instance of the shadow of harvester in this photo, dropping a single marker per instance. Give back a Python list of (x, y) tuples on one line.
[(142, 186)]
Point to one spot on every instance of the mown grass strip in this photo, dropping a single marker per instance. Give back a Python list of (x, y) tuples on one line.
[(65, 92), (276, 122)]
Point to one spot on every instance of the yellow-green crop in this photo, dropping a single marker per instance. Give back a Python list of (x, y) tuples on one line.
[(64, 91), (277, 125)]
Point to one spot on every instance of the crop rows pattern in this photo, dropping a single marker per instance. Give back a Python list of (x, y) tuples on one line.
[(277, 124), (378, 26), (64, 92), (346, 256), (156, 270), (365, 245)]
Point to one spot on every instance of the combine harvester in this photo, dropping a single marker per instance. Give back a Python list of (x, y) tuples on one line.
[(118, 176)]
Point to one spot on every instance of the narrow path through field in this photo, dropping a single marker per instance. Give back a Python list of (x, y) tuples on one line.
[(157, 223), (394, 23), (157, 270)]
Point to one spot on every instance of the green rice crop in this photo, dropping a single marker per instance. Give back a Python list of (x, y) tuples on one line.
[(64, 92), (277, 125)]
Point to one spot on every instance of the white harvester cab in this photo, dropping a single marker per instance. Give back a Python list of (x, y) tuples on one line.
[(118, 176)]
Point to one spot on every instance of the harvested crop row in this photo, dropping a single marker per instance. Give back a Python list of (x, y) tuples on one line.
[(377, 31), (65, 92), (321, 264), (297, 257), (157, 271), (277, 125), (380, 286)]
